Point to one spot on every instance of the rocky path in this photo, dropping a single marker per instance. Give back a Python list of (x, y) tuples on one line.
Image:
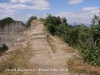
[(48, 53)]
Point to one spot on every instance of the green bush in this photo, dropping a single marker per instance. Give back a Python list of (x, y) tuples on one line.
[(91, 56), (51, 28), (6, 21), (53, 23), (3, 48)]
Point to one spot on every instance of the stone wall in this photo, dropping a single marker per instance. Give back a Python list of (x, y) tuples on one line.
[(10, 33)]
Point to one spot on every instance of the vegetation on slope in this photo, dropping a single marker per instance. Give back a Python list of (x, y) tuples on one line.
[(30, 20), (86, 39), (6, 21), (14, 64), (3, 48)]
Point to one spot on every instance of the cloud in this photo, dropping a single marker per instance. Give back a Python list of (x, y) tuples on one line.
[(78, 17), (25, 17), (35, 4), (7, 13), (14, 7), (11, 6), (42, 5), (90, 8), (21, 1), (75, 1)]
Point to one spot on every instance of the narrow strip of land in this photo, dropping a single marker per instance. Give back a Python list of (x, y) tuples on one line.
[(49, 56)]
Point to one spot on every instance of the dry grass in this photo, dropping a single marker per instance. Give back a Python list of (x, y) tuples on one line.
[(34, 21), (53, 49), (59, 39), (76, 65), (16, 60), (56, 43), (68, 49), (51, 44), (45, 29)]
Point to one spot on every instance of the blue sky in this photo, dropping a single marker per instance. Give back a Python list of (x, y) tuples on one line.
[(75, 11)]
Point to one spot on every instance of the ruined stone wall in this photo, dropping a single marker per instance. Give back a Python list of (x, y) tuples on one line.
[(10, 33)]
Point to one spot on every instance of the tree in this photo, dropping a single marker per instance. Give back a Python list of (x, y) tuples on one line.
[(54, 24), (51, 28), (86, 39), (6, 21), (95, 26), (89, 43)]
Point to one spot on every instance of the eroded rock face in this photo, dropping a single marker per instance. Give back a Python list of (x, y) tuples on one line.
[(63, 21), (10, 33)]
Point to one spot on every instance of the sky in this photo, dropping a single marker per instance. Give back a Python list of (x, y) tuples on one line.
[(75, 11)]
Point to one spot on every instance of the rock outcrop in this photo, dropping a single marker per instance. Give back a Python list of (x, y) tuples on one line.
[(10, 33), (63, 21)]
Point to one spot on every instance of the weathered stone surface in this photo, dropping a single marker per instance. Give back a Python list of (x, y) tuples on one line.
[(10, 33)]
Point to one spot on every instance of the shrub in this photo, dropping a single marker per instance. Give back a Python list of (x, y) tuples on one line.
[(3, 48), (86, 39), (6, 21)]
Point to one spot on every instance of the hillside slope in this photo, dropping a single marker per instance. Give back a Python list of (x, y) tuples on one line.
[(48, 54)]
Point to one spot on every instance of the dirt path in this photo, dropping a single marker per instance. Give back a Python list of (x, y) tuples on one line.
[(48, 54)]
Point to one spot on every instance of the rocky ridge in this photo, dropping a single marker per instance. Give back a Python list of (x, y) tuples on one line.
[(41, 46)]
